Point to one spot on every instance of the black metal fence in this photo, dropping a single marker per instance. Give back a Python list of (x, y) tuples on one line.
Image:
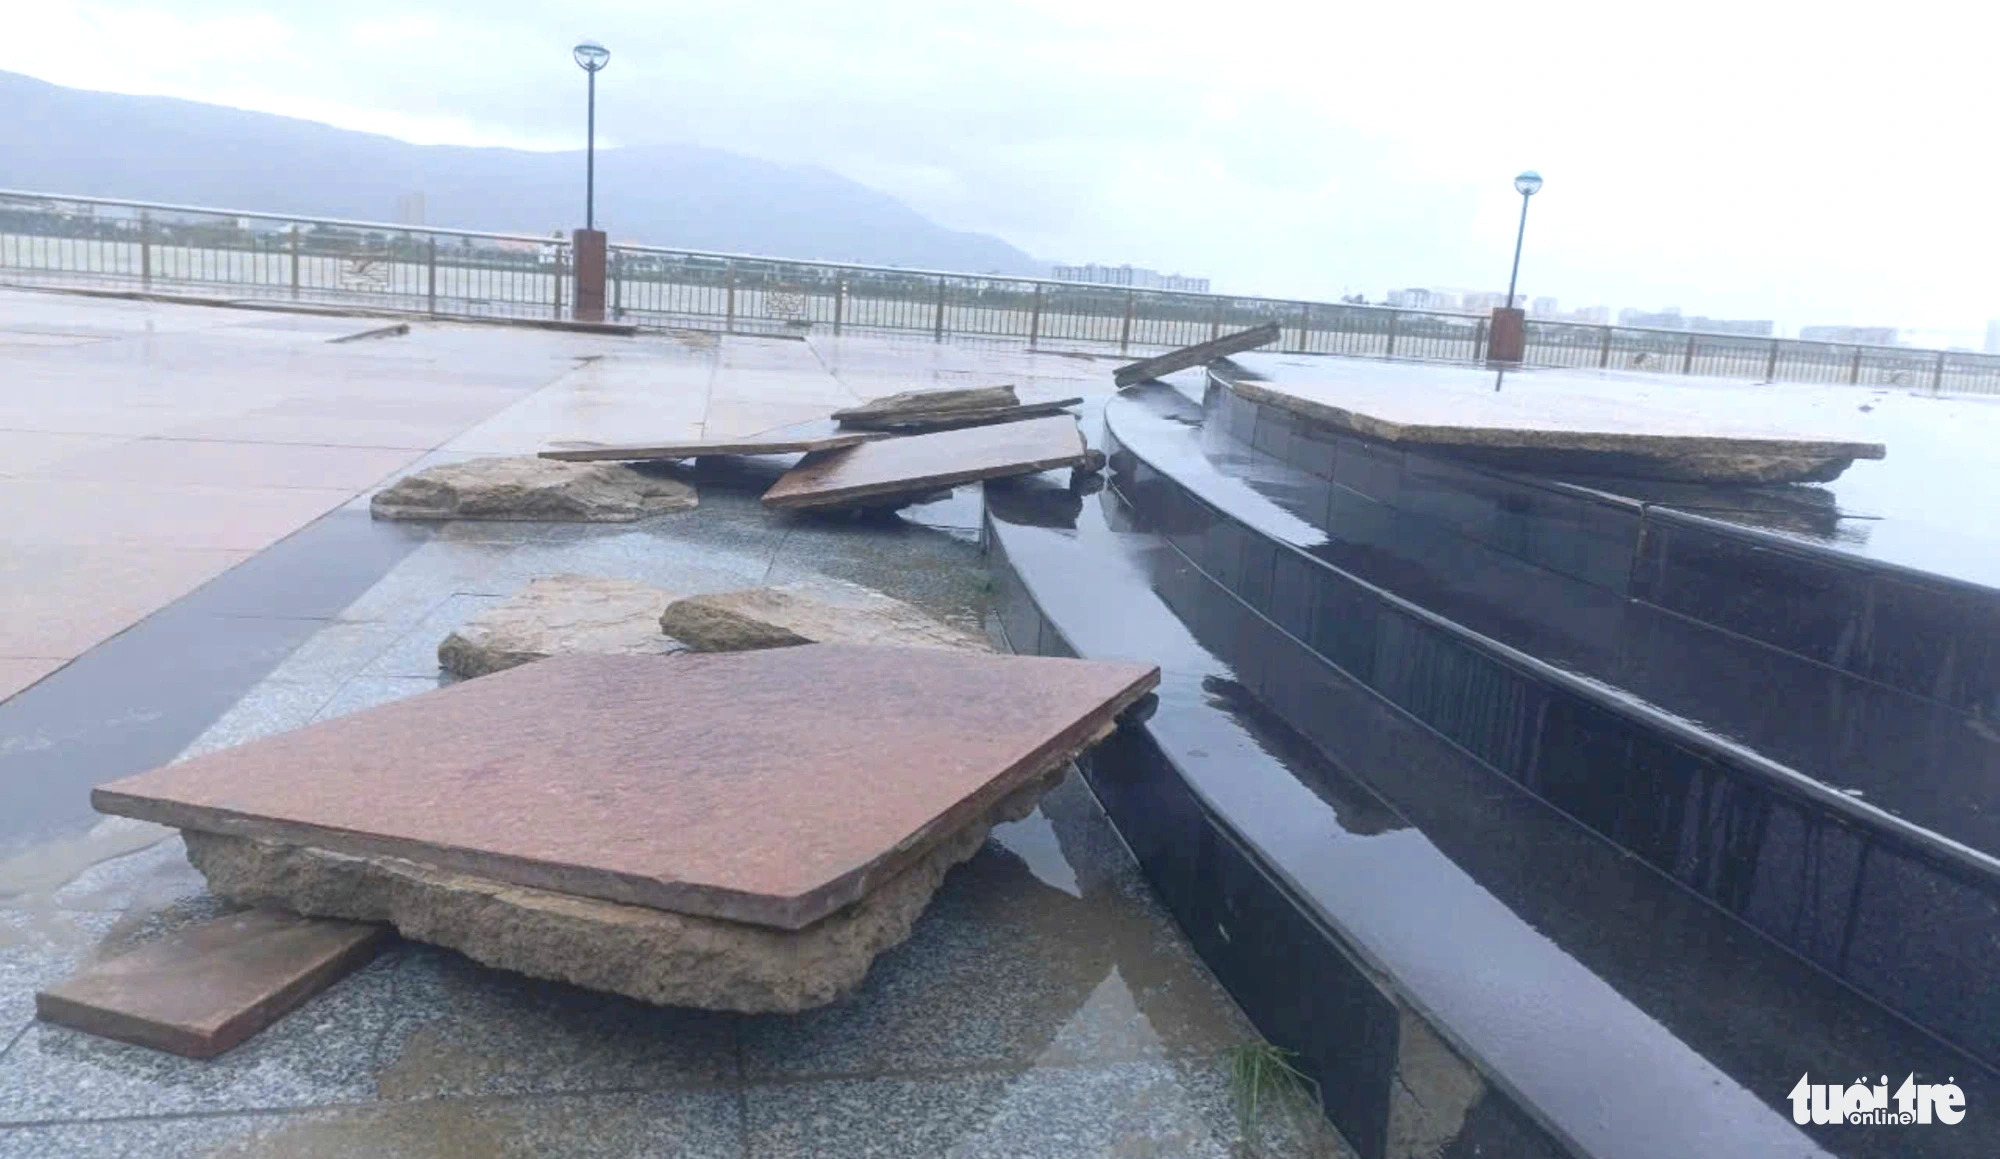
[(75, 241)]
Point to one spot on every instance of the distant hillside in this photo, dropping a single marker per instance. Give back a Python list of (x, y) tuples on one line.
[(63, 140)]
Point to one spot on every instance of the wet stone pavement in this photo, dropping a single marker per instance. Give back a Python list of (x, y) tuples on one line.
[(1046, 1005)]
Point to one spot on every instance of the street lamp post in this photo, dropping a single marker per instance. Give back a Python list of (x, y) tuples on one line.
[(1527, 184), (591, 57)]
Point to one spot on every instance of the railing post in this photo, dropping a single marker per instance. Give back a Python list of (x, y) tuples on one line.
[(1305, 325), (1604, 350), (937, 314), (296, 235), (1687, 360), (1125, 328), (729, 307), (1854, 368), (1035, 318), (1479, 341), (1215, 321), (617, 285), (1771, 364), (431, 276), (562, 274), (1389, 347), (145, 251), (1937, 375), (839, 302)]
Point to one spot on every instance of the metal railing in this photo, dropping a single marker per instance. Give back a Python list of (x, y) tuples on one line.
[(78, 241)]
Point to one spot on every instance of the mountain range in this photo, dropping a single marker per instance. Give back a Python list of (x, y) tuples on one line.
[(76, 141)]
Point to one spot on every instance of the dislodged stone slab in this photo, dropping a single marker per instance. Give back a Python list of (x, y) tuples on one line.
[(199, 991), (894, 469), (750, 445), (789, 615), (943, 420), (556, 616), (930, 402), (648, 954), (772, 787), (1547, 424), (532, 488)]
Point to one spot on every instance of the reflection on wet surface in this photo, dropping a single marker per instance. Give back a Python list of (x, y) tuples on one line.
[(1568, 966)]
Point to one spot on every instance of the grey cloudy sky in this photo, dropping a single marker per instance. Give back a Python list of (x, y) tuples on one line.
[(1812, 163)]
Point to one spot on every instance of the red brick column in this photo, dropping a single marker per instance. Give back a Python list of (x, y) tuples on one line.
[(588, 249), (1509, 337)]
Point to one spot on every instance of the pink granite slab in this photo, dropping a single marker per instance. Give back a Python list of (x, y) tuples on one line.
[(201, 990), (769, 787), (919, 463)]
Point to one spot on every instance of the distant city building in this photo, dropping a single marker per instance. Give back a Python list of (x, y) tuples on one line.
[(1544, 307), (1856, 335), (1667, 319), (1133, 276), (1596, 315), (1993, 337), (410, 209), (1753, 328), (1480, 301), (1416, 298)]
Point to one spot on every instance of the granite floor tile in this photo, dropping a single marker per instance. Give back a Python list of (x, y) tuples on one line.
[(689, 1124), (465, 1029), (369, 691), (414, 653), (1124, 1110), (272, 707), (18, 672)]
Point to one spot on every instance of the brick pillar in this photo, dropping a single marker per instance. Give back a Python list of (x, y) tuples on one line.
[(1510, 335), (589, 247)]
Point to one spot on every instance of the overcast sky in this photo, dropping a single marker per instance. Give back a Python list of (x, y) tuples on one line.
[(1812, 163)]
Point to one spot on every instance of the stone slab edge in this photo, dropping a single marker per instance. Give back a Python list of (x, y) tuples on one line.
[(790, 913), (1527, 438)]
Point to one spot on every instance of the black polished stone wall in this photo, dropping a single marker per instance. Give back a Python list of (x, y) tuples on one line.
[(1900, 916), (1873, 680)]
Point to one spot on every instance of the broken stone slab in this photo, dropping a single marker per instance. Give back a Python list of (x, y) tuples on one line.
[(528, 487), (793, 614), (890, 470), (651, 955), (931, 402), (556, 616), (772, 787), (701, 448), (1197, 355), (1545, 425), (944, 420), (202, 990)]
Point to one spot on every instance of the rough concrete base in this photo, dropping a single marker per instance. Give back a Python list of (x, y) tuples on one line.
[(786, 616), (557, 616), (532, 488), (652, 955)]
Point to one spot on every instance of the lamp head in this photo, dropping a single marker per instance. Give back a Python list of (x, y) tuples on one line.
[(1527, 184), (591, 56)]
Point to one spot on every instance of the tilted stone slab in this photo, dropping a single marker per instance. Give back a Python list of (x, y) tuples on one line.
[(528, 487), (558, 616), (770, 787), (201, 990), (944, 420), (1197, 355), (890, 469), (654, 956), (695, 449), (1529, 427), (930, 402), (790, 615)]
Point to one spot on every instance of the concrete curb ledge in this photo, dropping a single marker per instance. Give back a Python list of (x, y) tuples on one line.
[(613, 329)]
